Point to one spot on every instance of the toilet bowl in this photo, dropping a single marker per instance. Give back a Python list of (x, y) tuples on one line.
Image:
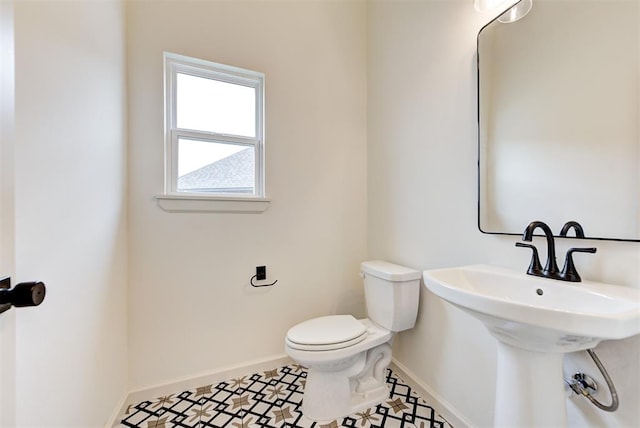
[(346, 358)]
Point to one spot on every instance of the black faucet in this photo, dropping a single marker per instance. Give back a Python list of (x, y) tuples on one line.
[(569, 272), (551, 267)]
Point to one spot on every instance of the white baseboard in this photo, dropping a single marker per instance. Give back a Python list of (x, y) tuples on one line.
[(441, 406), (192, 382), (114, 419)]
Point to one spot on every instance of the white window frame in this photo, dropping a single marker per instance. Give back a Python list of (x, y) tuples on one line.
[(172, 199)]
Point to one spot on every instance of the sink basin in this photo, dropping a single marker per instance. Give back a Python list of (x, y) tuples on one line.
[(536, 322), (539, 313)]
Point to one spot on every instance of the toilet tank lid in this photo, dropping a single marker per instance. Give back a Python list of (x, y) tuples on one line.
[(389, 271)]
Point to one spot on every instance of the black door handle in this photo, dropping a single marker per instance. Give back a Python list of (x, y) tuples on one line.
[(23, 294)]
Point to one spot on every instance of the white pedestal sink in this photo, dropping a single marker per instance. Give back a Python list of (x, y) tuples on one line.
[(536, 321)]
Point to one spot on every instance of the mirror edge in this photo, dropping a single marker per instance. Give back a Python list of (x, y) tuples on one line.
[(479, 196)]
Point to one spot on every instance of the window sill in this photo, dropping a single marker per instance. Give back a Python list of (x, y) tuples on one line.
[(212, 204)]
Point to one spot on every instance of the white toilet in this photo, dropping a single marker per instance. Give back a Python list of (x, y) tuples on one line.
[(346, 358)]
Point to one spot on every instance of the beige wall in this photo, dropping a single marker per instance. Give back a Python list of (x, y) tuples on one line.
[(70, 212), (191, 307), (422, 208)]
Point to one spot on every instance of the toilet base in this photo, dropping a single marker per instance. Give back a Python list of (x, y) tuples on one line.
[(330, 395)]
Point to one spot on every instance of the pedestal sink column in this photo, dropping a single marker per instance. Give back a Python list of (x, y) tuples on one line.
[(529, 389)]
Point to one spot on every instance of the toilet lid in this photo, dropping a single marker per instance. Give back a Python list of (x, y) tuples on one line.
[(325, 333)]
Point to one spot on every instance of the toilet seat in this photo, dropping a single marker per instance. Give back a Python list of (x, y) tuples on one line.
[(326, 333)]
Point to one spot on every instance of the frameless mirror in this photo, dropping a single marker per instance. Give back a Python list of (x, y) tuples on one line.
[(559, 119)]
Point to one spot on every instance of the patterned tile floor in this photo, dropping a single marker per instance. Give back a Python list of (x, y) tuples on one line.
[(272, 399)]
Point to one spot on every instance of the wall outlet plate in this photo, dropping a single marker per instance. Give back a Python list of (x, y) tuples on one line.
[(261, 273)]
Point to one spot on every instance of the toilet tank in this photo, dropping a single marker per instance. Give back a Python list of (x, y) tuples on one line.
[(391, 293)]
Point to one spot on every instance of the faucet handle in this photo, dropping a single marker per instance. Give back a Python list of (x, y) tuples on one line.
[(535, 268), (569, 272)]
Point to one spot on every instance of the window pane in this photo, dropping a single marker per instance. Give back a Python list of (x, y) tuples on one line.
[(210, 105), (205, 166)]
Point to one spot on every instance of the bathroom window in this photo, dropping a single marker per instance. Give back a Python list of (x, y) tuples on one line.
[(214, 138)]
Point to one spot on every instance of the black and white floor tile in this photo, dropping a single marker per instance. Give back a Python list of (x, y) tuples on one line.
[(272, 399)]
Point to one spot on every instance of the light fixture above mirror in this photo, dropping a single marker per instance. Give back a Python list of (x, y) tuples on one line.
[(517, 10), (486, 5)]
